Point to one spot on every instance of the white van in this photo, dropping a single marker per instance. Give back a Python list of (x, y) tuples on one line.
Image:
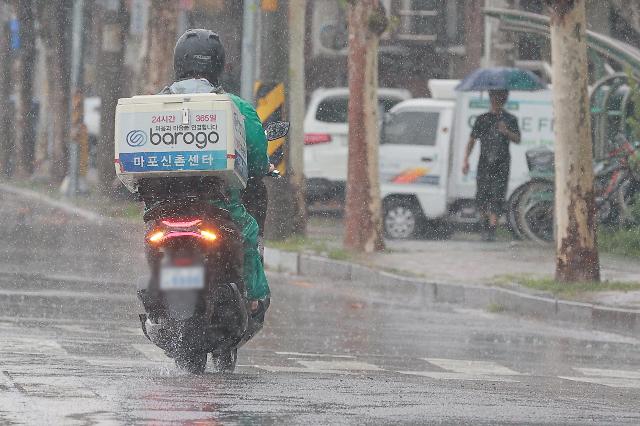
[(326, 139), (422, 150)]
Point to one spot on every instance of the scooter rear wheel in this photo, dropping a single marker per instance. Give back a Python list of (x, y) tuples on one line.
[(193, 362), (226, 362)]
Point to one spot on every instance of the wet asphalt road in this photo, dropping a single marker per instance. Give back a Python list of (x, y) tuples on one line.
[(71, 351)]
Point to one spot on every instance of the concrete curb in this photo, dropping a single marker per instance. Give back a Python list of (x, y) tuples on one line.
[(61, 205), (419, 292)]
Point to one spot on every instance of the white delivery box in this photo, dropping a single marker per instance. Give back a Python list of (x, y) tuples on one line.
[(180, 135)]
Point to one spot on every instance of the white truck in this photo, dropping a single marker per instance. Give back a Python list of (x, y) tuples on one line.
[(422, 150), (421, 153)]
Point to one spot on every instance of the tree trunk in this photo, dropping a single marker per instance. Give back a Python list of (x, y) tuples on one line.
[(577, 253), (163, 28), (54, 18), (5, 92), (24, 113), (110, 78), (363, 222)]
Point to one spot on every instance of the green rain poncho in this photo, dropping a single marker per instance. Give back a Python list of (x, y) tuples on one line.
[(254, 276)]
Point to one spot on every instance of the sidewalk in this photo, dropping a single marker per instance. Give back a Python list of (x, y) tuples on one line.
[(464, 259)]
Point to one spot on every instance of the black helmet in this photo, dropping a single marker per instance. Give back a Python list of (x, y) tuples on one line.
[(198, 53)]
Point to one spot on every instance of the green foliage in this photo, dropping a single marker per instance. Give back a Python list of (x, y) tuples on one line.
[(378, 21), (634, 161), (624, 242), (634, 210)]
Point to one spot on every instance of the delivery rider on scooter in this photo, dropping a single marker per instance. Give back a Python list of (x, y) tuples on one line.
[(198, 63)]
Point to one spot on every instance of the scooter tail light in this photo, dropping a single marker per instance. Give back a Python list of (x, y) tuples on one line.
[(156, 237), (181, 223), (208, 235)]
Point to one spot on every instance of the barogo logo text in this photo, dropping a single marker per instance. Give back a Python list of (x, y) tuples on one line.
[(136, 138)]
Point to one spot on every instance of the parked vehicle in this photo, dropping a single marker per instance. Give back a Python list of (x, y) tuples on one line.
[(326, 140), (422, 150)]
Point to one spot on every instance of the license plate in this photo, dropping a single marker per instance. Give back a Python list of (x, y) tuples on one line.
[(188, 278)]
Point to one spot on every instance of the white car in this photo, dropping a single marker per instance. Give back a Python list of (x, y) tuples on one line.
[(326, 139)]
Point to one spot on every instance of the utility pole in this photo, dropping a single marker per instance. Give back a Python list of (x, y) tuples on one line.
[(77, 131), (162, 39), (248, 72), (110, 78), (576, 245), (270, 105), (5, 89), (363, 221), (25, 120), (295, 170)]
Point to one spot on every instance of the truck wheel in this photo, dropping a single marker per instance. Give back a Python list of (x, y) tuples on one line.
[(401, 219)]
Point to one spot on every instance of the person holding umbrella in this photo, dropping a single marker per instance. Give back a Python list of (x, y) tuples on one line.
[(495, 130)]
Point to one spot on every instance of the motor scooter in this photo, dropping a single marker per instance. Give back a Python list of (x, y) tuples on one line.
[(195, 301)]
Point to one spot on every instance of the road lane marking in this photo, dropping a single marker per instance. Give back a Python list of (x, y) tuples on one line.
[(611, 378), (314, 355), (151, 352), (613, 382), (598, 372), (26, 345), (339, 365), (459, 369), (441, 375), (472, 368), (58, 386), (276, 369), (323, 367)]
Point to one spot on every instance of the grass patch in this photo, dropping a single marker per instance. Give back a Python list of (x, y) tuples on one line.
[(556, 288), (495, 308), (323, 247), (297, 243), (623, 242), (339, 254), (404, 273)]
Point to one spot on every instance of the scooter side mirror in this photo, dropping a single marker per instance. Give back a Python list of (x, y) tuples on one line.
[(277, 130)]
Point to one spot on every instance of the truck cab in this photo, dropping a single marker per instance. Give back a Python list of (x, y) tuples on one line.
[(414, 164)]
